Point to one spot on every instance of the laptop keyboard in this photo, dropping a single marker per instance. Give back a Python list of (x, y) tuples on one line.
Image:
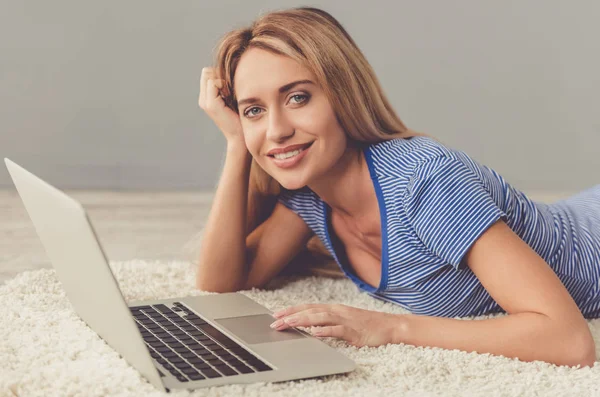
[(189, 347)]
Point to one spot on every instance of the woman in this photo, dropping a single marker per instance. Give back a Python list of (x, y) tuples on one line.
[(316, 153)]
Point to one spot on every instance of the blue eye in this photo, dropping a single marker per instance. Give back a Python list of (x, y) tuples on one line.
[(293, 96)]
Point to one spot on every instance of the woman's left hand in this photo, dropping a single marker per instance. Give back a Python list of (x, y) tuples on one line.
[(356, 326)]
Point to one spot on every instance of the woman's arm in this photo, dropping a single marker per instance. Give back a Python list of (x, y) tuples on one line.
[(222, 262), (543, 321), (526, 336)]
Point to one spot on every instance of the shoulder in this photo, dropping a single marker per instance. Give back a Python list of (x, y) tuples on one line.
[(307, 204), (400, 157), (299, 199)]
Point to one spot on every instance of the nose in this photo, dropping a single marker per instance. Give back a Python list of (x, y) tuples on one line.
[(279, 128)]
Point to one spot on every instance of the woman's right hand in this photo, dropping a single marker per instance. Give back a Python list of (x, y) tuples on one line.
[(211, 101)]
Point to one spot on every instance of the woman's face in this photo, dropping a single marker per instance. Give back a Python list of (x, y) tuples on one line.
[(278, 117)]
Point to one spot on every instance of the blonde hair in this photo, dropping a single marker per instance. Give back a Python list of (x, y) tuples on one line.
[(318, 42)]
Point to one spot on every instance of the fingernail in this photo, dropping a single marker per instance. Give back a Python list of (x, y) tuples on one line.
[(278, 314), (276, 324)]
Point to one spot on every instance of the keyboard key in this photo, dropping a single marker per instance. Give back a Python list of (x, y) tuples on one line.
[(219, 351), (169, 354), (226, 356), (182, 378), (189, 371), (153, 314), (196, 360), (198, 348), (233, 361), (244, 369), (246, 356), (259, 365), (210, 330), (225, 370), (201, 365), (192, 318), (213, 360), (187, 355), (176, 345), (238, 349), (183, 367), (196, 376), (180, 348), (150, 312), (211, 373)]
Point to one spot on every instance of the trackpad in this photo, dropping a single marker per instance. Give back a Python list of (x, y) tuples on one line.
[(256, 329)]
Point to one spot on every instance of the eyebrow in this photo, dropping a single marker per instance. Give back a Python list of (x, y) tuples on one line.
[(282, 89)]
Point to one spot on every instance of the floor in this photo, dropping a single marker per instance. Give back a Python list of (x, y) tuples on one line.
[(142, 225)]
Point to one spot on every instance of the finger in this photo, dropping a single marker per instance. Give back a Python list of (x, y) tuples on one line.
[(206, 74), (307, 319), (219, 83), (294, 309), (212, 93)]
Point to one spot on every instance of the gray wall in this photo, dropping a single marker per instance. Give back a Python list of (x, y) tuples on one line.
[(104, 94)]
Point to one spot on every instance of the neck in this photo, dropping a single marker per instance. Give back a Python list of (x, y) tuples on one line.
[(344, 188)]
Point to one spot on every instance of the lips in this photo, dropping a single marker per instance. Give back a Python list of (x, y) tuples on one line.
[(289, 148)]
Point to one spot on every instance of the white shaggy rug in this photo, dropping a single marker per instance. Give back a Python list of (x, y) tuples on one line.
[(47, 350)]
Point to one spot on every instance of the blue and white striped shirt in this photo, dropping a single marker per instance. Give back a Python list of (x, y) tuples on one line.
[(434, 203)]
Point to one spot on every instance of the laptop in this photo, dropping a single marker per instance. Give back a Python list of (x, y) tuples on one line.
[(187, 342)]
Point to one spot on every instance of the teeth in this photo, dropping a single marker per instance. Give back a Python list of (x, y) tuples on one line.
[(283, 156)]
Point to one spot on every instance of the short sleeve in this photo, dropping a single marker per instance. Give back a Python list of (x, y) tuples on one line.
[(285, 198), (449, 208), (304, 203)]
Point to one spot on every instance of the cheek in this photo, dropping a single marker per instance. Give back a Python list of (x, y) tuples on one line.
[(251, 142)]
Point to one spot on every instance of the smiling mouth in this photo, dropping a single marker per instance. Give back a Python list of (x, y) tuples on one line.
[(304, 148)]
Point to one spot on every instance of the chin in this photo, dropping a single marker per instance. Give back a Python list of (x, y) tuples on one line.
[(289, 185)]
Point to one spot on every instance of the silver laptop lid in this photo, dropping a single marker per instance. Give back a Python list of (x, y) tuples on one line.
[(81, 266)]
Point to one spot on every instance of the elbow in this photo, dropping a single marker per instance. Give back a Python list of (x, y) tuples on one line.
[(583, 350), (588, 358), (211, 286)]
